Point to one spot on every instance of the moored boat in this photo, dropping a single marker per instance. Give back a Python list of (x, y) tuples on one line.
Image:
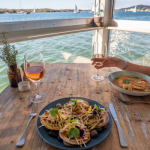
[(26, 12), (92, 9), (76, 9)]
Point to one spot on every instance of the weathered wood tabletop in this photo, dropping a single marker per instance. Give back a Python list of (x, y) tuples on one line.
[(67, 80)]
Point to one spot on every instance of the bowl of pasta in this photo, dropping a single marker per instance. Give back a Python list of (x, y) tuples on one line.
[(131, 83)]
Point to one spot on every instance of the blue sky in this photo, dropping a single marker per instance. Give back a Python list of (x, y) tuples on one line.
[(64, 4)]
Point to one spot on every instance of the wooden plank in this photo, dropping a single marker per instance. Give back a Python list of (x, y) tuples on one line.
[(72, 80), (128, 125), (43, 24), (29, 30), (18, 36), (140, 30), (130, 24)]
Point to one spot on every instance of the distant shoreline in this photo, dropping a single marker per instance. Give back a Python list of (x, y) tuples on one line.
[(139, 8), (3, 11)]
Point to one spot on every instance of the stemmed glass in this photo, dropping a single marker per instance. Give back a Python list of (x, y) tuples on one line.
[(98, 57), (34, 69)]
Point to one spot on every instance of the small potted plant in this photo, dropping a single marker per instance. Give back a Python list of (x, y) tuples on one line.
[(8, 55), (98, 19)]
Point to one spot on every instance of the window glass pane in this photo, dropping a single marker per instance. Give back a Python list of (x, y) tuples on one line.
[(58, 49), (11, 11), (130, 46), (141, 16), (43, 16), (132, 10)]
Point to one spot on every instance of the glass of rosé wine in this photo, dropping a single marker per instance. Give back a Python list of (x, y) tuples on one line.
[(34, 67)]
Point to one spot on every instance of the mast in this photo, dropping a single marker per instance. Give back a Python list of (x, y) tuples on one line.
[(34, 10), (20, 5)]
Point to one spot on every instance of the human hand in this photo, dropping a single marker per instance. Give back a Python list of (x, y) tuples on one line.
[(109, 62)]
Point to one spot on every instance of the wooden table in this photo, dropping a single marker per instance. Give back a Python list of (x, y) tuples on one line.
[(67, 80)]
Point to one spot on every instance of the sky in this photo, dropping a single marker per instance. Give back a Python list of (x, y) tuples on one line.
[(64, 4)]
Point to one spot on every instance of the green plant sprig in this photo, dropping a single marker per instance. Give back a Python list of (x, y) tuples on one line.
[(99, 12), (7, 52)]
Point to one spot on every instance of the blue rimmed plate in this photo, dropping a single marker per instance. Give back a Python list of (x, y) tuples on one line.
[(43, 132)]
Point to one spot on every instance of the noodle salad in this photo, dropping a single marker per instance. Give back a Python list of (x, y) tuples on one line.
[(75, 122)]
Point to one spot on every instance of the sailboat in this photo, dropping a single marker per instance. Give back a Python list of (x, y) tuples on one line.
[(76, 9), (135, 9), (21, 12), (34, 10), (92, 9)]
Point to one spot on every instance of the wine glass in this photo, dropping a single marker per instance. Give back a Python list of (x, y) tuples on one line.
[(98, 57), (34, 69)]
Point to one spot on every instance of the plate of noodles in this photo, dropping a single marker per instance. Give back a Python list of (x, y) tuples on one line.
[(131, 83), (74, 123)]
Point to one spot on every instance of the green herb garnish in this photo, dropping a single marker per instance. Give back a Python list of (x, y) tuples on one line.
[(73, 132), (54, 112), (117, 78), (136, 77), (73, 120), (126, 81), (74, 101), (97, 108)]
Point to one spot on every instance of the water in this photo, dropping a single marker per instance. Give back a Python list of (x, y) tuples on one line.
[(42, 16), (133, 47)]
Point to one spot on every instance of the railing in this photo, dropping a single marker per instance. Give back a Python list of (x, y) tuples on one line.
[(29, 30)]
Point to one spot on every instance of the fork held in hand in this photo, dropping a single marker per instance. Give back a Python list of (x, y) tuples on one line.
[(22, 139), (132, 102)]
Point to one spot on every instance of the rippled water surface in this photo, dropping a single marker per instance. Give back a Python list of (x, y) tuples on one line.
[(131, 46)]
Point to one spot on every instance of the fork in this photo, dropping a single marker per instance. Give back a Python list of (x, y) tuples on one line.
[(132, 102), (32, 114)]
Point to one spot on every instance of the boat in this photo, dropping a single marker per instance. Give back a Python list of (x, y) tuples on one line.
[(76, 9), (26, 12), (92, 9), (21, 12), (34, 10), (135, 9)]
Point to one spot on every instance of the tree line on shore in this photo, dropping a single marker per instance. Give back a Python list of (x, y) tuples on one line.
[(37, 10), (139, 8), (143, 9)]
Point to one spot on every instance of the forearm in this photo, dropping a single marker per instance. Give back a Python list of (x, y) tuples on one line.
[(138, 68), (133, 67)]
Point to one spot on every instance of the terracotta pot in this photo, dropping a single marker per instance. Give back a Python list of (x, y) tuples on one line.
[(98, 21)]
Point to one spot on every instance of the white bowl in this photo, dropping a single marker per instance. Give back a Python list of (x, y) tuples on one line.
[(114, 75), (24, 86)]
